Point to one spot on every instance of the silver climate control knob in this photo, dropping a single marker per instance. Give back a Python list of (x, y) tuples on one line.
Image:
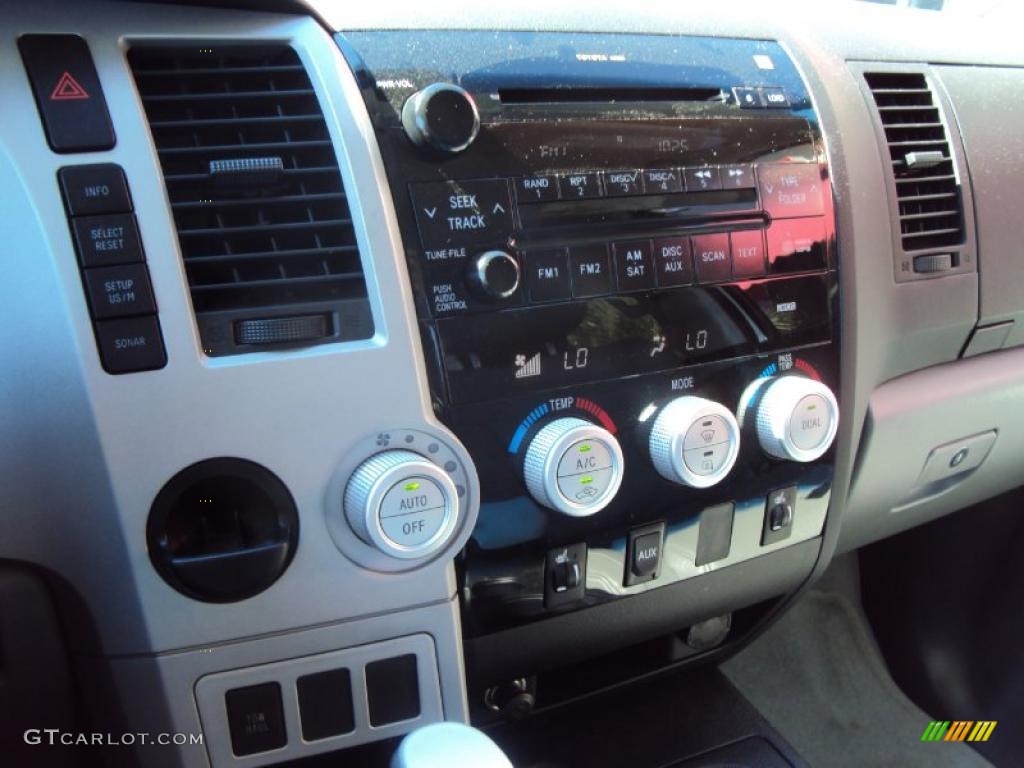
[(442, 117), (573, 466), (694, 441), (796, 417), (403, 504)]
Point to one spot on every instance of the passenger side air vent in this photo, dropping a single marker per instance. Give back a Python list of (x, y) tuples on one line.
[(927, 187), (251, 173)]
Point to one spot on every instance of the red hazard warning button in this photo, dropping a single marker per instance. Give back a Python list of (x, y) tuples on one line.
[(67, 92), (68, 88)]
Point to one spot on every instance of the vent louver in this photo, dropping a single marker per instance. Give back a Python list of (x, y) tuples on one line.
[(253, 180), (927, 190)]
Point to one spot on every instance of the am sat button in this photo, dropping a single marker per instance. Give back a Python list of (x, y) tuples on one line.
[(634, 265), (130, 345)]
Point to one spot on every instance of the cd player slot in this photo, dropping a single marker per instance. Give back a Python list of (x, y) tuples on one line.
[(594, 218), (599, 95)]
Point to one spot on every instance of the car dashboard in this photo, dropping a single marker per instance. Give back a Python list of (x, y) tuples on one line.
[(362, 365)]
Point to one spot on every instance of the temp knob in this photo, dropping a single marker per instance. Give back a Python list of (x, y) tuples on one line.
[(493, 275), (694, 441), (403, 504), (441, 116), (573, 466), (796, 417)]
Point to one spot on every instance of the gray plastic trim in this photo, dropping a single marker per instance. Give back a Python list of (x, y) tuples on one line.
[(914, 414), (210, 691)]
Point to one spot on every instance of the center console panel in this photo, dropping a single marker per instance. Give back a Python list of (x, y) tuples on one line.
[(627, 292)]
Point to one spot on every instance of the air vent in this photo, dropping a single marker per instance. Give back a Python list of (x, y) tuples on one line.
[(263, 221), (927, 189)]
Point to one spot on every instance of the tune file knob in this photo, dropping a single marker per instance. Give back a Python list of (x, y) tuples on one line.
[(402, 503), (796, 417), (694, 441), (493, 275), (573, 466), (442, 117)]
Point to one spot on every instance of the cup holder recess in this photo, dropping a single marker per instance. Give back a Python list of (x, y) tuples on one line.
[(222, 530)]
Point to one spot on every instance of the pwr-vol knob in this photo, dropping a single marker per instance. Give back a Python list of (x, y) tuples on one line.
[(442, 117), (796, 418), (403, 504), (573, 466), (694, 441)]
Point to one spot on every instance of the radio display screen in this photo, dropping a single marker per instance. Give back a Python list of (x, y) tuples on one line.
[(581, 342)]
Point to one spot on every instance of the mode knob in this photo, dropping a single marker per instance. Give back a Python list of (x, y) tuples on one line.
[(694, 441), (493, 275), (442, 117), (573, 466), (796, 418), (403, 504)]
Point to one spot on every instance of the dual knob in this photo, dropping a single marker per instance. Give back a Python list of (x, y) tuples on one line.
[(576, 467)]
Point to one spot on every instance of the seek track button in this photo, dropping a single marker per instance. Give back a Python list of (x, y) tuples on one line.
[(458, 213)]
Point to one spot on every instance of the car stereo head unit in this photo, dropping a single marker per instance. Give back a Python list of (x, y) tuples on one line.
[(623, 255)]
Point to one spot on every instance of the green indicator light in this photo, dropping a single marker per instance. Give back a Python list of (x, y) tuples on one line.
[(586, 480), (412, 486), (811, 407), (584, 448)]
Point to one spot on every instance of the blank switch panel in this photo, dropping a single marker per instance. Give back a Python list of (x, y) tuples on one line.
[(287, 710)]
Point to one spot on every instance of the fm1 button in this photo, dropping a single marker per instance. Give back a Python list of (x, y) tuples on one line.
[(644, 555)]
